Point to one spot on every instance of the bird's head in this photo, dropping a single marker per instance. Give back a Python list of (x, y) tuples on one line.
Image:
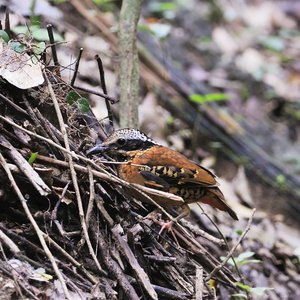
[(123, 141)]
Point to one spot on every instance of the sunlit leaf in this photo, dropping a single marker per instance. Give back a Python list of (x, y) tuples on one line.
[(32, 158), (72, 98), (274, 43), (16, 46), (83, 105), (40, 47), (155, 6), (239, 295), (161, 31), (260, 290), (4, 36), (243, 286), (245, 255), (208, 97), (38, 33)]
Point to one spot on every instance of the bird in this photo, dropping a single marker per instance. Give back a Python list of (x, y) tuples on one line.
[(150, 164)]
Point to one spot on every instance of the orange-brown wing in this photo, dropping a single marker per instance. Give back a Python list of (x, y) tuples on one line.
[(174, 168)]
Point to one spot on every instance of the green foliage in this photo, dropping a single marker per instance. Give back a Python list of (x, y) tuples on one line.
[(208, 97), (258, 290), (170, 120), (40, 34), (167, 9), (243, 259), (159, 30), (4, 36), (238, 231), (101, 1), (296, 252), (37, 48), (59, 1), (32, 158), (273, 43), (73, 99), (281, 182), (17, 46), (155, 6)]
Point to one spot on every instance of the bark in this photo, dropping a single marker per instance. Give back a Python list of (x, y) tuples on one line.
[(129, 69)]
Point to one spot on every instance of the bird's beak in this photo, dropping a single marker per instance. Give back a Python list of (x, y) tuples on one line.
[(97, 149)]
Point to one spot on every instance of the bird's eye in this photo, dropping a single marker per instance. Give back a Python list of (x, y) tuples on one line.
[(121, 142)]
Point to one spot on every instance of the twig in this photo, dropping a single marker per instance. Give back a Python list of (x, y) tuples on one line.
[(13, 105), (220, 266), (114, 269), (199, 283), (103, 84), (25, 167), (201, 233), (73, 173), (12, 273), (35, 226), (7, 23), (54, 211), (110, 98), (132, 261), (71, 259), (9, 243), (76, 67), (91, 198), (50, 142), (53, 48), (165, 293), (9, 271)]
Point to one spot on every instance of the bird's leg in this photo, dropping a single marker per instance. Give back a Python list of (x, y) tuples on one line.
[(185, 212), (168, 224)]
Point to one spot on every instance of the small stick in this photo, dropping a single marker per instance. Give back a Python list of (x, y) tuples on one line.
[(110, 98), (7, 23), (73, 172), (199, 283), (35, 226), (13, 105), (220, 266), (103, 84), (76, 67), (53, 48)]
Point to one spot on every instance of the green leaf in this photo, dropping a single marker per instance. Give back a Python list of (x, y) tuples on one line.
[(274, 43), (38, 33), (4, 36), (16, 46), (238, 231), (245, 255), (156, 6), (229, 261), (170, 120), (208, 97), (243, 286), (32, 158), (72, 98), (239, 295), (145, 28), (160, 30), (40, 47), (260, 290), (280, 179), (84, 105), (248, 261)]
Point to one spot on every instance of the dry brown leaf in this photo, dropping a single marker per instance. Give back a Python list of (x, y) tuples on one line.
[(18, 68)]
